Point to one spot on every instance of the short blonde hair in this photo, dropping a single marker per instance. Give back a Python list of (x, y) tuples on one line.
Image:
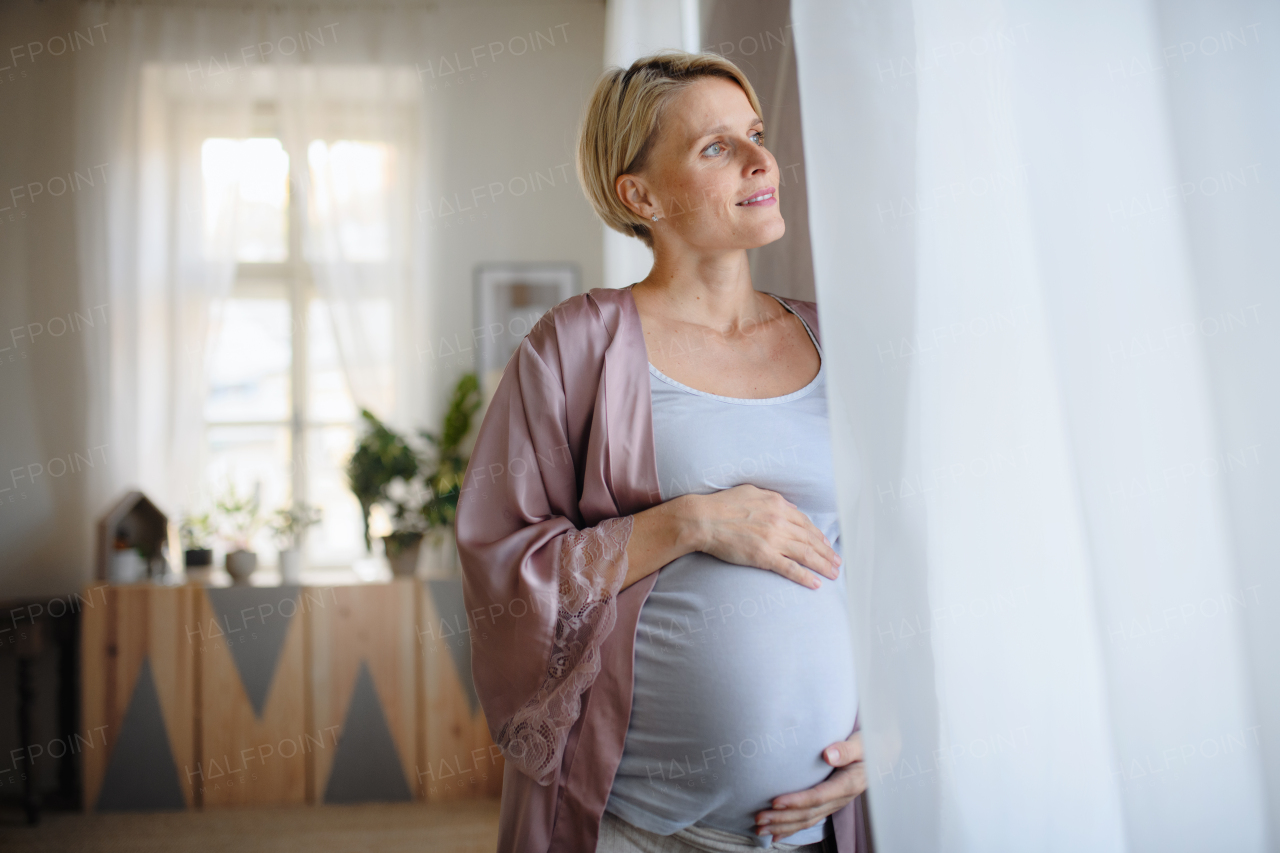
[(621, 123)]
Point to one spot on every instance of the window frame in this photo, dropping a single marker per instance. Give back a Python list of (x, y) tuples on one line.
[(292, 280)]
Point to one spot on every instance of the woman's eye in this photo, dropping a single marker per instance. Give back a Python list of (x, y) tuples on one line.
[(759, 137), (714, 149)]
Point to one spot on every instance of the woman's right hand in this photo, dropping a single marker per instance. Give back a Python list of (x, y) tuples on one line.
[(750, 526)]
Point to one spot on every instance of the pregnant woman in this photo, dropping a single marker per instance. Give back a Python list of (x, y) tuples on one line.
[(648, 527)]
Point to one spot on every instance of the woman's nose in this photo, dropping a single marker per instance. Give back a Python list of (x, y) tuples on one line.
[(758, 160)]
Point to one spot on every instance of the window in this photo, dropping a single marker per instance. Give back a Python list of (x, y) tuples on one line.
[(279, 416)]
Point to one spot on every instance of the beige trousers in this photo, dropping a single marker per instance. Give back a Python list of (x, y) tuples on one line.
[(618, 836)]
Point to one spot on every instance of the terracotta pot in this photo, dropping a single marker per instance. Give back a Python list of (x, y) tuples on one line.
[(241, 565)]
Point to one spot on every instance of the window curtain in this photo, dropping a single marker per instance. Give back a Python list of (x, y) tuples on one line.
[(177, 75), (358, 239), (1045, 235), (170, 262)]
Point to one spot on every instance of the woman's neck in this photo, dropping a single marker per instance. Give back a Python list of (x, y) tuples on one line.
[(707, 290)]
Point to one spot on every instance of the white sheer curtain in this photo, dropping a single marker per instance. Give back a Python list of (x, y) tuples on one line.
[(1045, 233), (355, 123), (177, 75), (171, 255)]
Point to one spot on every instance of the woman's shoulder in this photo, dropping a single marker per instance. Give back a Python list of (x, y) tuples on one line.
[(579, 325), (590, 315)]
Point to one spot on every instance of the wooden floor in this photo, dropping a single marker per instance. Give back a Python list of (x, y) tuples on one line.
[(466, 826)]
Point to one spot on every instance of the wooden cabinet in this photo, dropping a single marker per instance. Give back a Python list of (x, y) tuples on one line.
[(138, 691), (211, 697)]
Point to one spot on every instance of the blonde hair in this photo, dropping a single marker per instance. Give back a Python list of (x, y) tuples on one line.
[(621, 123)]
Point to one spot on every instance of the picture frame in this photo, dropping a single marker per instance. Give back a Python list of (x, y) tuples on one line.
[(509, 299)]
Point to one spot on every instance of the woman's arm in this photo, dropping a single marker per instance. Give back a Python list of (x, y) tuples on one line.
[(744, 525)]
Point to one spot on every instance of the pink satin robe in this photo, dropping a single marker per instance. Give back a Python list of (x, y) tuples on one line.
[(564, 455)]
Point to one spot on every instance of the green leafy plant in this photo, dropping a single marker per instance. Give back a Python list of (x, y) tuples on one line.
[(290, 524), (239, 517), (197, 532), (380, 457), (419, 489), (449, 465)]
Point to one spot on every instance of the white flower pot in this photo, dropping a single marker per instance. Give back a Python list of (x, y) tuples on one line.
[(241, 565), (126, 566), (291, 566)]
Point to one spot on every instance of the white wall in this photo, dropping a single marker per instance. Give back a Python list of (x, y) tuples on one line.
[(44, 529), (521, 118)]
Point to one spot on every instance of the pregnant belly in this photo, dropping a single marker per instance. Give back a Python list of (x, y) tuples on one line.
[(742, 677)]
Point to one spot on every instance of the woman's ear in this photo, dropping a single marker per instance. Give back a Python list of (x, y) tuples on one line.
[(635, 195)]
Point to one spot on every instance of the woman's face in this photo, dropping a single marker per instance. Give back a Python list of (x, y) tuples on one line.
[(708, 176)]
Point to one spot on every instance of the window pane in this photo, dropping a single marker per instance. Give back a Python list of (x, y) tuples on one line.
[(249, 362), (329, 398), (339, 539), (246, 199), (255, 457), (348, 202)]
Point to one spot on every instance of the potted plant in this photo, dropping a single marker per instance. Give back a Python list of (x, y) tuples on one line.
[(418, 490), (197, 541), (383, 472), (240, 520), (290, 525), (380, 457), (405, 501), (128, 564)]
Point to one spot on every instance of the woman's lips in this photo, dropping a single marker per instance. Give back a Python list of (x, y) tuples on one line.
[(763, 198)]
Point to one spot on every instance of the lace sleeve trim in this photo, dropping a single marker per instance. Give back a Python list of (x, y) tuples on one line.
[(591, 565)]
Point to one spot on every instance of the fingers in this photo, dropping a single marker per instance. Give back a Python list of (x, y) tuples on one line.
[(840, 787), (844, 752), (759, 527), (793, 571), (809, 548), (780, 822), (848, 755), (773, 820), (801, 559), (858, 778), (810, 533), (811, 556), (793, 812), (832, 789), (782, 830)]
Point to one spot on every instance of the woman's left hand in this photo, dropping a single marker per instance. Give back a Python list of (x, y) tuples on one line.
[(803, 809)]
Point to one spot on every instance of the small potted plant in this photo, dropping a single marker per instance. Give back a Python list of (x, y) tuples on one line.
[(383, 473), (381, 456), (404, 502), (290, 525), (128, 565), (197, 541), (240, 521)]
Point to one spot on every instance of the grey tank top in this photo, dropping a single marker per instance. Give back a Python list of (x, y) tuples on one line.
[(742, 677)]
